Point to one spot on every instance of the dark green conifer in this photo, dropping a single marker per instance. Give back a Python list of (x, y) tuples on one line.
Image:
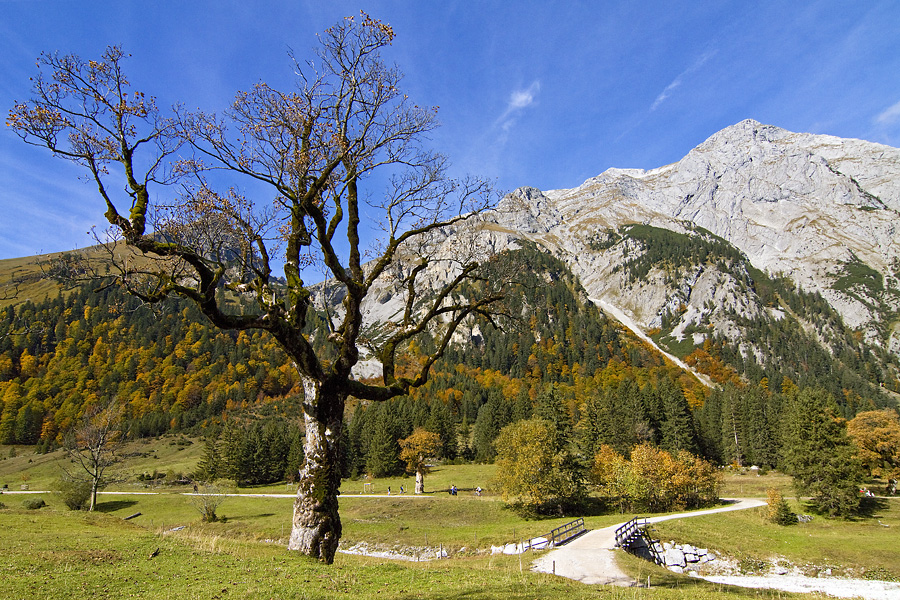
[(818, 454)]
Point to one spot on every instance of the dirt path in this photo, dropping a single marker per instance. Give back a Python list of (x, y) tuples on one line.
[(590, 558)]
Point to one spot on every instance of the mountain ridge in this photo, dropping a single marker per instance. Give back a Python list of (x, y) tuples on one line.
[(691, 251), (757, 237), (802, 205)]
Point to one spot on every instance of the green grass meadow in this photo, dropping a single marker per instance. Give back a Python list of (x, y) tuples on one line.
[(747, 484), (855, 548), (55, 553), (50, 553)]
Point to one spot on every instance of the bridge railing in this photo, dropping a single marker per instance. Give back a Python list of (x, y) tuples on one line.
[(626, 532), (564, 533)]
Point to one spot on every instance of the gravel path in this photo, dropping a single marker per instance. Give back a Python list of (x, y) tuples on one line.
[(842, 588), (590, 557)]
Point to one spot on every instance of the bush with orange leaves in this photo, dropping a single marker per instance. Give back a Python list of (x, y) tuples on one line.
[(654, 480)]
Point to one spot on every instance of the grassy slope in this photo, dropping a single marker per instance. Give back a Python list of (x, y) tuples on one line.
[(23, 279), (39, 471), (52, 554), (847, 547), (50, 551)]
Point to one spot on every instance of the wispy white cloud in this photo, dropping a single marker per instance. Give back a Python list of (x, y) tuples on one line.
[(488, 155), (523, 98), (666, 93), (889, 116), (518, 101), (676, 83)]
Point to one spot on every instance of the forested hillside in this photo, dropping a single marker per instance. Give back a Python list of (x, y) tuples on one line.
[(558, 357), (756, 326), (172, 371)]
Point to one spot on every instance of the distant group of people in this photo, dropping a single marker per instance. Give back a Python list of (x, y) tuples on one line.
[(454, 490), (890, 489)]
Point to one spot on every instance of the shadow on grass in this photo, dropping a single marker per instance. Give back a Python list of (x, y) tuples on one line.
[(114, 505), (869, 506), (257, 516), (582, 507)]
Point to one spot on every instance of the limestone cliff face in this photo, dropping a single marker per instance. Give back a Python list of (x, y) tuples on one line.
[(680, 252), (822, 210)]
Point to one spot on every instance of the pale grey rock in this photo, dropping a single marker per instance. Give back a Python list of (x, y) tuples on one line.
[(674, 557), (794, 203)]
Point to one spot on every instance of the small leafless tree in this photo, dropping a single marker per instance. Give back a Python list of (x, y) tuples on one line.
[(93, 444), (207, 499)]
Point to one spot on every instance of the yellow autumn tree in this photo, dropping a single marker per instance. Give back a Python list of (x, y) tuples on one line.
[(654, 479), (415, 451), (876, 435), (533, 469)]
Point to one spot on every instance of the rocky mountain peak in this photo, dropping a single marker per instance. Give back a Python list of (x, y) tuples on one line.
[(819, 209)]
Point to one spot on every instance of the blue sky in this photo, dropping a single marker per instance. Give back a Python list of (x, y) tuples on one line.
[(536, 93)]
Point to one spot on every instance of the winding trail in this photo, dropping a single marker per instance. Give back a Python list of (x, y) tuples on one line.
[(590, 557)]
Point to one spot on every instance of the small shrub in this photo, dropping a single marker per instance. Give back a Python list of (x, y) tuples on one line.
[(879, 574), (34, 503), (749, 565), (74, 493), (2, 506), (779, 512)]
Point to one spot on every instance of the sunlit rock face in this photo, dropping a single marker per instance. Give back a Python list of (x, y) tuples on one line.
[(822, 210)]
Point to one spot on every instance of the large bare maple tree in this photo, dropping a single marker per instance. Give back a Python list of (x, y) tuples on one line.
[(313, 148)]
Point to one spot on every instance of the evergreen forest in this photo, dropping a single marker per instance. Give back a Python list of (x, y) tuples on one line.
[(557, 358)]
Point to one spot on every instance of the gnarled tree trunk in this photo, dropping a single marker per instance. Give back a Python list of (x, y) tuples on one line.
[(316, 528), (420, 481)]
